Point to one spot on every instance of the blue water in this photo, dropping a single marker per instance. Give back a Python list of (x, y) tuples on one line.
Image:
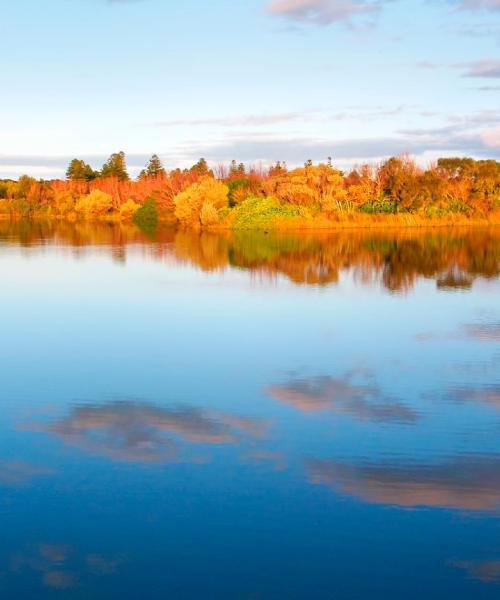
[(249, 416)]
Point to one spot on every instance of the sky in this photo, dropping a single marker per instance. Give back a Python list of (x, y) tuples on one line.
[(253, 80)]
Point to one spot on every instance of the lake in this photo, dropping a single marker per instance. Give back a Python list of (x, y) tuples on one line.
[(250, 415)]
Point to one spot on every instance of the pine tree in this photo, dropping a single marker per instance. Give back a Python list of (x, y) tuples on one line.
[(115, 166), (80, 170), (154, 168)]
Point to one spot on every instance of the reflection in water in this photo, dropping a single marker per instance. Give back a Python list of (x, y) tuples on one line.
[(487, 571), (479, 332), (60, 566), (17, 472), (487, 394), (303, 478), (454, 258), (344, 396), (467, 482), (484, 331), (50, 561), (141, 432)]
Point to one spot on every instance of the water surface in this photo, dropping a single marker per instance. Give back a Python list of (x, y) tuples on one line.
[(196, 415)]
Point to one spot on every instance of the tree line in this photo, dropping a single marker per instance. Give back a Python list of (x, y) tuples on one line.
[(236, 195)]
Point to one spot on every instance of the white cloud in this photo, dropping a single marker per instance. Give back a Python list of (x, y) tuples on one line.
[(487, 67), (491, 137)]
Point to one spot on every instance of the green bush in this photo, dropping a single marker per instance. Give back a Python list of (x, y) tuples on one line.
[(382, 204), (236, 187), (259, 213), (146, 217)]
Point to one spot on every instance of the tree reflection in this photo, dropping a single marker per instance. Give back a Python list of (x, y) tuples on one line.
[(397, 258)]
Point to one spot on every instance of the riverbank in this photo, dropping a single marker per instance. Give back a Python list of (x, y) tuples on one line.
[(292, 224)]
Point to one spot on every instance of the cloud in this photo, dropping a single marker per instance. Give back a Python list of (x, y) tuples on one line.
[(428, 64), (488, 88), (474, 135), (467, 140), (322, 12), (241, 121), (485, 68), (142, 432), (491, 137), (341, 395), (468, 483), (477, 5)]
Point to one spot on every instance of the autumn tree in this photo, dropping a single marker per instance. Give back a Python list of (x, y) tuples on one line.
[(201, 168), (236, 170), (198, 204), (279, 168), (95, 204)]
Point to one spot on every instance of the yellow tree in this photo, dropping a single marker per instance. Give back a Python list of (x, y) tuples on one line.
[(198, 204)]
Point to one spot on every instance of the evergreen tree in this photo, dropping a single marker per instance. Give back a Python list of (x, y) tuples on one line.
[(154, 168), (201, 167), (80, 170), (115, 166)]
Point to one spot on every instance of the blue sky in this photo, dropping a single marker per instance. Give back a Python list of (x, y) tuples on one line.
[(255, 80)]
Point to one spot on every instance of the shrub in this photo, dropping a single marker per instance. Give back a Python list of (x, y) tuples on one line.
[(64, 203), (319, 186), (239, 190), (146, 217), (259, 213), (189, 203), (208, 214), (382, 204), (128, 209), (95, 204)]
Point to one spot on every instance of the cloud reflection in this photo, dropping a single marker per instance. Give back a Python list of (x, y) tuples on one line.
[(364, 401), (61, 567), (481, 332), (487, 571), (469, 482), (489, 394), (18, 472), (144, 432), (49, 560)]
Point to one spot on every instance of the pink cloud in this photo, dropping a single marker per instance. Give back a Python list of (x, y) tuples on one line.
[(321, 12)]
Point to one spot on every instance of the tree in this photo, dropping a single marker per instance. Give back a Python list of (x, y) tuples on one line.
[(79, 170), (95, 204), (201, 167), (236, 170), (196, 204), (115, 167), (154, 168)]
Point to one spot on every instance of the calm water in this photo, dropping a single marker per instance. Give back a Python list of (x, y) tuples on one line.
[(250, 416)]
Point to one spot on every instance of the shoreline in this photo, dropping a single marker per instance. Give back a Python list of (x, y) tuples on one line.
[(285, 225)]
